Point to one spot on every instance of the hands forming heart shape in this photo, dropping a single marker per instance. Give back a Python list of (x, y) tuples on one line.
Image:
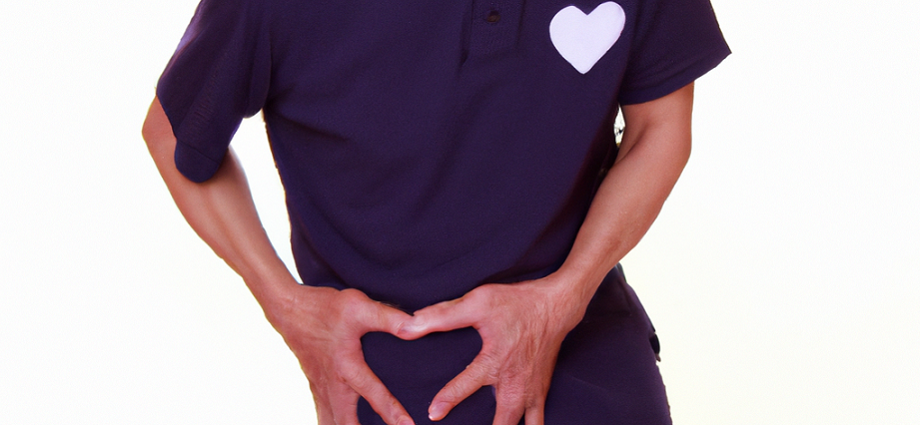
[(522, 326)]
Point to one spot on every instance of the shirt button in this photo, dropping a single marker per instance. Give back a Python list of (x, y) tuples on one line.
[(493, 17)]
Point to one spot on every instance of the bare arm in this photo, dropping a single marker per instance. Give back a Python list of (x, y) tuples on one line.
[(523, 325), (322, 326), (221, 211), (654, 151)]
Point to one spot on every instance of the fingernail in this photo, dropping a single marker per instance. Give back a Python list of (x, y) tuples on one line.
[(437, 410)]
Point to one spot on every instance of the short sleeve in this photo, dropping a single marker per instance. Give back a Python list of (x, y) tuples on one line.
[(218, 75), (676, 42)]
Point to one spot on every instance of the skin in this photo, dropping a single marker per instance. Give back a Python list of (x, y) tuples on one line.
[(522, 325)]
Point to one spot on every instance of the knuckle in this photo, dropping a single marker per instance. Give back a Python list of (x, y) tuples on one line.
[(453, 394), (485, 367), (423, 315), (351, 298), (347, 373), (393, 410), (354, 305), (480, 297)]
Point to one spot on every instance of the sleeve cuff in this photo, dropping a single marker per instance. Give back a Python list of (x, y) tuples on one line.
[(680, 79), (194, 165)]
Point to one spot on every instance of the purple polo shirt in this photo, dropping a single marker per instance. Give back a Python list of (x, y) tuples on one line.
[(428, 147)]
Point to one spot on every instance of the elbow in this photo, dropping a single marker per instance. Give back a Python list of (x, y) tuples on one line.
[(157, 130), (148, 132), (158, 134)]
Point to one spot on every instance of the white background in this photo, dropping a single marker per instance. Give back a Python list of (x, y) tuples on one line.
[(782, 274)]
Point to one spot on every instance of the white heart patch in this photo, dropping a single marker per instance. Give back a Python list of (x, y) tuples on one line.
[(581, 39)]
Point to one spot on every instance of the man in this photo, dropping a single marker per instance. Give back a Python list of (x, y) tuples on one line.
[(457, 201)]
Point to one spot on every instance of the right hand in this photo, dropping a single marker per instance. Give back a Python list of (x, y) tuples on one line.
[(323, 327)]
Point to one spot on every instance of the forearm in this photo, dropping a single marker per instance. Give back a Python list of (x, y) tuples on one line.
[(654, 151), (221, 211), (322, 326)]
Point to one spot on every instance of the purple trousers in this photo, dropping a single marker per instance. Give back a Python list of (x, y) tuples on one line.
[(606, 372)]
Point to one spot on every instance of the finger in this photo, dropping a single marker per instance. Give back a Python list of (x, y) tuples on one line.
[(534, 415), (383, 318), (474, 377), (507, 413), (322, 407), (324, 415), (362, 379), (343, 404), (367, 315), (441, 317)]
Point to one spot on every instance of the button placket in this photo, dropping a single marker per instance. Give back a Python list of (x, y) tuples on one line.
[(495, 26)]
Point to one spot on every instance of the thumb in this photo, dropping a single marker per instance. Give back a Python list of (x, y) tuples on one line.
[(441, 317), (383, 318)]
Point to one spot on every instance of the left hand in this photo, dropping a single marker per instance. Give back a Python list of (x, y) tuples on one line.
[(522, 326)]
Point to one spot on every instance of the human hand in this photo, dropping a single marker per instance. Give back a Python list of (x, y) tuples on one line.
[(323, 327), (522, 326)]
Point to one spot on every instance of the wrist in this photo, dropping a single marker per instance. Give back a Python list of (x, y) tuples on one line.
[(275, 290), (569, 295), (577, 284)]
